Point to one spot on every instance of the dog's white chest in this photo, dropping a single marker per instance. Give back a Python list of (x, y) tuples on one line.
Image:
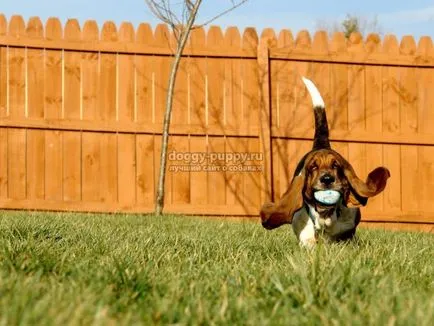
[(307, 224)]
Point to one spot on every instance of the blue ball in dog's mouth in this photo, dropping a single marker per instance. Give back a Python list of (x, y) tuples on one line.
[(327, 197)]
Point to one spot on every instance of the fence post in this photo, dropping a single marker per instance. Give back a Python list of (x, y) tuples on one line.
[(267, 40)]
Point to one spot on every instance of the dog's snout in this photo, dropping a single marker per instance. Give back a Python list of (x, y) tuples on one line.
[(327, 179)]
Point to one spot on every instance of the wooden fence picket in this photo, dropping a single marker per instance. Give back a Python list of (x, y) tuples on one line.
[(391, 123), (35, 151), (197, 118), (373, 117), (425, 122), (54, 109), (16, 138), (72, 110), (4, 111)]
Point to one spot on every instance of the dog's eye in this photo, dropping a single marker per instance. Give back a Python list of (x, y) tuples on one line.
[(335, 165), (313, 167)]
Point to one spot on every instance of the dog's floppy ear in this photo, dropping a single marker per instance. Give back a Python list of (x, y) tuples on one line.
[(274, 215), (360, 191)]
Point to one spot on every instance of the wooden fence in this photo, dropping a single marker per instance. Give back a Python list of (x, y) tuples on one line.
[(81, 113)]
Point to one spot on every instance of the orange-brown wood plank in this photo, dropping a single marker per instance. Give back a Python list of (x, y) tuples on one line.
[(302, 117), (91, 167), (244, 194), (356, 100), (72, 110), (252, 178), (233, 80), (3, 69), (356, 109), (425, 179), (72, 74), (282, 161), (215, 82), (89, 74), (391, 123), (268, 38), (233, 178), (216, 176), (408, 108), (425, 82), (161, 68), (180, 179), (126, 76), (108, 167), (16, 71), (282, 77), (301, 148), (35, 72), (337, 109), (410, 175), (35, 164), (180, 109), (146, 170), (251, 86), (54, 165), (35, 146), (408, 93), (425, 124), (373, 93), (107, 108), (53, 72), (320, 72), (127, 168), (390, 75), (251, 95), (16, 167), (53, 104), (392, 193), (197, 73), (374, 158), (144, 76), (199, 179), (72, 168), (3, 162), (374, 119)]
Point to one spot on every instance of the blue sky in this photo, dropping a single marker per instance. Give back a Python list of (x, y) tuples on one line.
[(397, 17)]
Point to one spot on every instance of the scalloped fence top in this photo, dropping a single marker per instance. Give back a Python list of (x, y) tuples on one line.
[(210, 41)]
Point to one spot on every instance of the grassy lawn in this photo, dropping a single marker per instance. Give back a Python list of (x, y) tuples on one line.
[(88, 269)]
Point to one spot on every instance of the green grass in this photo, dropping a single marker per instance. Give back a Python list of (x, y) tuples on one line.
[(58, 269)]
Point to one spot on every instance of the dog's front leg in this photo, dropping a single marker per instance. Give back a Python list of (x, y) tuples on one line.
[(304, 229)]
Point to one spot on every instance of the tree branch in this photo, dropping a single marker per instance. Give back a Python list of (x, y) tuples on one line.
[(235, 5), (185, 32)]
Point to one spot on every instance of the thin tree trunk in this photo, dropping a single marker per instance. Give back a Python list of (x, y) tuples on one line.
[(159, 203)]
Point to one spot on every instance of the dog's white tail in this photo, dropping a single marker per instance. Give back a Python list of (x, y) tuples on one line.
[(317, 100), (321, 138)]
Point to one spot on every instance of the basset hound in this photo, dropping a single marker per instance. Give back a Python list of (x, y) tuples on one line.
[(323, 170)]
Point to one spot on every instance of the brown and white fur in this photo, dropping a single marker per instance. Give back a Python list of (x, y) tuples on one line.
[(323, 169)]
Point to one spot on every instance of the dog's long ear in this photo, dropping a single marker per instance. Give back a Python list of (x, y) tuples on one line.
[(360, 191), (274, 215)]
